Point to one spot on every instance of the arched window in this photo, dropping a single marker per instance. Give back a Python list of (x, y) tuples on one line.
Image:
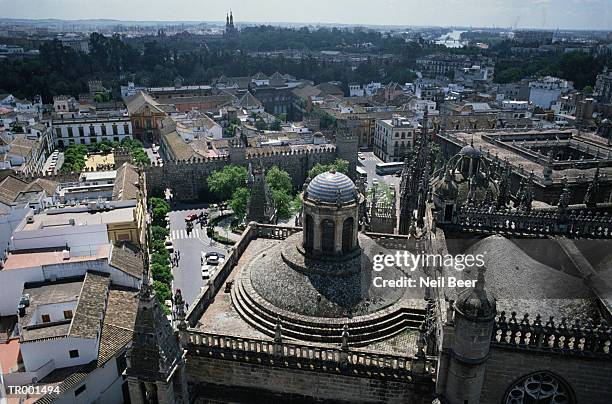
[(309, 233), (328, 235), (539, 388), (347, 235)]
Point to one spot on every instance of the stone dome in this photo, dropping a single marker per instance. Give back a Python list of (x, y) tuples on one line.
[(332, 187), (470, 151)]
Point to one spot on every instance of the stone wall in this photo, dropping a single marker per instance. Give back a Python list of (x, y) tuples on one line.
[(290, 382), (188, 179), (588, 377)]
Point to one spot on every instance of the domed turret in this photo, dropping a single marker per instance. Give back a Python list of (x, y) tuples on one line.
[(333, 188), (330, 215), (470, 151)]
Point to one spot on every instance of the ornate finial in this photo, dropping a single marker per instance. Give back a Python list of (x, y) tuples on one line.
[(278, 331), (345, 337), (480, 283), (179, 305)]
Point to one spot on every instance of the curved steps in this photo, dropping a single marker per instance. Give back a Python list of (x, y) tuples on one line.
[(361, 333)]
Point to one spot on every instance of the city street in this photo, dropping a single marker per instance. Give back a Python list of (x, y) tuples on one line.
[(188, 276), (369, 165)]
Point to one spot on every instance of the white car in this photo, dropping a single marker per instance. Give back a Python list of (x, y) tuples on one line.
[(207, 271)]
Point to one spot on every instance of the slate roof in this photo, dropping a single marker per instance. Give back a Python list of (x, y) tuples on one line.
[(10, 188), (125, 188), (306, 91), (329, 88), (90, 307), (117, 332), (22, 146), (136, 103), (248, 100), (127, 259), (260, 76)]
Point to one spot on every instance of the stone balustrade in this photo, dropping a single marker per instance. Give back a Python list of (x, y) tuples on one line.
[(577, 338), (310, 357), (583, 224), (275, 232)]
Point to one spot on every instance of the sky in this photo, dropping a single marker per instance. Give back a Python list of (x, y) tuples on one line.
[(550, 14)]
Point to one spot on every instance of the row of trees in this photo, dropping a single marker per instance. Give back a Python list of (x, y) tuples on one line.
[(160, 257), (578, 67), (230, 184), (156, 61)]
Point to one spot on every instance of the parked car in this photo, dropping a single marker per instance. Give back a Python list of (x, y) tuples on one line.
[(214, 253), (207, 271)]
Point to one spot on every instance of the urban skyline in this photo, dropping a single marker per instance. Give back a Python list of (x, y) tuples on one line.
[(546, 14)]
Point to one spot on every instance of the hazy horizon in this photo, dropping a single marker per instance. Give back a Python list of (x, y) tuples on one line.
[(544, 14)]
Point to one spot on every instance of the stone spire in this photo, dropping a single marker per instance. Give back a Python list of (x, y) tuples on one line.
[(155, 355), (564, 198), (590, 198), (260, 207), (413, 177)]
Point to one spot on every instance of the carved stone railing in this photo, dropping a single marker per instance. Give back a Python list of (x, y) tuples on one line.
[(582, 224), (578, 338), (276, 232), (311, 357)]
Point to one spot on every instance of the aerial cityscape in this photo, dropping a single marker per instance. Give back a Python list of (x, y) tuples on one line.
[(337, 202)]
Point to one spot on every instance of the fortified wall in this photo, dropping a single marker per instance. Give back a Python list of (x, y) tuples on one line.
[(187, 178)]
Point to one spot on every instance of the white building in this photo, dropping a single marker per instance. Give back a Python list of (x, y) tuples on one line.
[(355, 90), (393, 138), (85, 129), (544, 92), (21, 267), (81, 327)]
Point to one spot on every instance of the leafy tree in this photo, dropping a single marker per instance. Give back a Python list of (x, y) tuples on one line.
[(296, 204), (159, 210), (260, 124), (339, 165), (283, 201), (161, 258), (279, 180), (74, 158), (224, 182), (161, 273), (158, 245), (239, 201), (162, 291), (159, 233), (276, 125)]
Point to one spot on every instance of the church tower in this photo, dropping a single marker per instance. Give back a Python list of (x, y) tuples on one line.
[(462, 365), (347, 146), (155, 360)]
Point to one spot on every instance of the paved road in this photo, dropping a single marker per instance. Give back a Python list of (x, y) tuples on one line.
[(369, 165), (188, 275)]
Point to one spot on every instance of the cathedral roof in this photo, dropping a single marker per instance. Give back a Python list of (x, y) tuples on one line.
[(332, 187)]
